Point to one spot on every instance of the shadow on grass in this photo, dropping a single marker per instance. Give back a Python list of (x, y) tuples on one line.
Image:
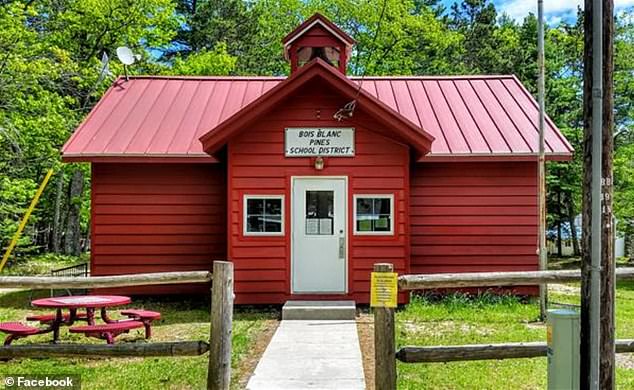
[(561, 263), (21, 299), (625, 285)]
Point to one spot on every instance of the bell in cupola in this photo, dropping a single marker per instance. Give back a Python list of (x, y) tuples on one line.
[(328, 54), (319, 38)]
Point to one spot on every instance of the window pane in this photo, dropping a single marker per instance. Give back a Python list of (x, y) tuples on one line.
[(364, 206), (255, 206), (364, 225), (319, 212), (382, 223), (263, 215), (255, 223), (373, 214), (272, 225), (382, 206), (273, 206)]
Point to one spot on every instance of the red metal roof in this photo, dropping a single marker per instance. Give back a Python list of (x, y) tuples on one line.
[(153, 116), (318, 18), (319, 71)]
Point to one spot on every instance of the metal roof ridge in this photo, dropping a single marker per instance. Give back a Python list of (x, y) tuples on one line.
[(437, 77), (395, 77), (201, 78)]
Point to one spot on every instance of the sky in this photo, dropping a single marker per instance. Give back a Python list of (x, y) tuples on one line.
[(554, 10)]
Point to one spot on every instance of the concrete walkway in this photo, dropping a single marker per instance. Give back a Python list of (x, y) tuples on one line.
[(311, 355)]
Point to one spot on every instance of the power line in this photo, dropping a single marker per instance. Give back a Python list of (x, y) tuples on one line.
[(347, 111)]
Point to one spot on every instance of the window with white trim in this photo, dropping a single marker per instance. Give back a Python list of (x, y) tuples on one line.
[(374, 214), (263, 215)]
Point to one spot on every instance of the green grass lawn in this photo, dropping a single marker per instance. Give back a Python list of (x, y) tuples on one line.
[(181, 320), (458, 320), (42, 264)]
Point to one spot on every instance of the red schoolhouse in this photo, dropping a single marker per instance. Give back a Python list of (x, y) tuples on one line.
[(304, 182)]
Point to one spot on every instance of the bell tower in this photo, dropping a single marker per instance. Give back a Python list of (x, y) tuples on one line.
[(318, 37)]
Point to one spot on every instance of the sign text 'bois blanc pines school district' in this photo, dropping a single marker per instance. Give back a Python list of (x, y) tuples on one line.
[(320, 141)]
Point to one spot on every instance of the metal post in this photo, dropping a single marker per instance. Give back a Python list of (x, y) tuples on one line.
[(541, 164), (563, 349), (597, 139)]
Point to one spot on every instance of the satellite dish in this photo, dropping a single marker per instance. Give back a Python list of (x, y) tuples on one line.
[(125, 55)]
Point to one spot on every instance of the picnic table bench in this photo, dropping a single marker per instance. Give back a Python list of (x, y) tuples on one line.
[(107, 331)]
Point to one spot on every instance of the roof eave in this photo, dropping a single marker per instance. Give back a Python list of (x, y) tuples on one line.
[(492, 157), (137, 158), (325, 22)]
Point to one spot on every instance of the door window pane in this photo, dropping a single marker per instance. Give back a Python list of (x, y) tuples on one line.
[(320, 213), (374, 214), (263, 215)]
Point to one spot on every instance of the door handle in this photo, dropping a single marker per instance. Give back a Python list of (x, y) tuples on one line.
[(342, 247)]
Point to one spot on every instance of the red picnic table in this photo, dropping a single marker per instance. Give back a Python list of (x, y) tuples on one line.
[(72, 303), (108, 330)]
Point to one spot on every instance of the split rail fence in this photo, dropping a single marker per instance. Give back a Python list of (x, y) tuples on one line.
[(218, 347), (385, 351)]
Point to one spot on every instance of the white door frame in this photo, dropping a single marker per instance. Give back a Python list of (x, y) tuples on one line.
[(346, 231)]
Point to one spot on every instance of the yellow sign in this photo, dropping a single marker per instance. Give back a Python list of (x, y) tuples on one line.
[(383, 289), (549, 335)]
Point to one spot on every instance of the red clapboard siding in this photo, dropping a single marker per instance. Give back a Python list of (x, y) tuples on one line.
[(257, 165), (157, 218), (473, 217)]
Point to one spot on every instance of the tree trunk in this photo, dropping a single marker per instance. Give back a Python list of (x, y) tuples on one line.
[(73, 233), (608, 282), (573, 227), (606, 377), (56, 235)]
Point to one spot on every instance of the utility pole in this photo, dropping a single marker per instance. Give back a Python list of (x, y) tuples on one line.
[(597, 151), (541, 163), (608, 264), (592, 212)]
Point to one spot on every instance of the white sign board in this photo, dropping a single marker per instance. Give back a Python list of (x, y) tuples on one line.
[(320, 141)]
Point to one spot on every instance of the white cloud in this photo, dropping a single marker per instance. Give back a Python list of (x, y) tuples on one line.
[(553, 9)]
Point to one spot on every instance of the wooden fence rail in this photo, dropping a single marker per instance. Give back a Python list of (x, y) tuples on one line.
[(494, 279), (98, 351), (454, 353), (385, 334), (219, 373), (71, 282)]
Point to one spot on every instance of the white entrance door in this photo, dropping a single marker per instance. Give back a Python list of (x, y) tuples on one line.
[(319, 235)]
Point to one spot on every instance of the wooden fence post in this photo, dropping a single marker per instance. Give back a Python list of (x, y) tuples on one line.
[(384, 342), (219, 372)]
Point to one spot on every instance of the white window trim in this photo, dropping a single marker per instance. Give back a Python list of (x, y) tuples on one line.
[(374, 196), (246, 198)]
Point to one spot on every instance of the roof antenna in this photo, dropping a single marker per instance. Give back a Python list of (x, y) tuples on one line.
[(104, 68), (104, 71), (127, 57)]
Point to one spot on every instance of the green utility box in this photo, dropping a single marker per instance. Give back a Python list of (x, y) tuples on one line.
[(563, 349)]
